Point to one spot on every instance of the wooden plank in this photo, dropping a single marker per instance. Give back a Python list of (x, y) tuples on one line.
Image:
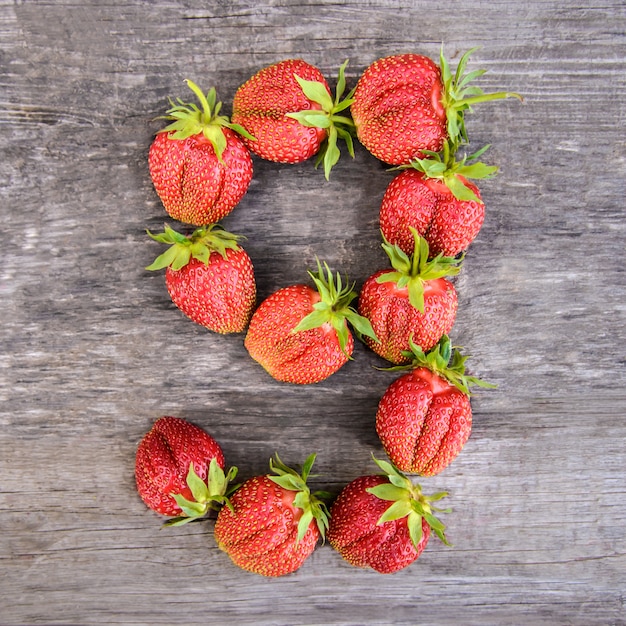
[(94, 351)]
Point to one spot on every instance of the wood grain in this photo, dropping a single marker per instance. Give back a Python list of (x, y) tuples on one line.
[(93, 349)]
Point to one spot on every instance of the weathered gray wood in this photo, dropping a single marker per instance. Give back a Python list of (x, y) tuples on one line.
[(93, 350)]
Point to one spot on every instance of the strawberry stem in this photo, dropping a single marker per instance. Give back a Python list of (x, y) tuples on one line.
[(189, 120), (414, 271), (459, 97), (446, 361), (199, 245), (313, 508), (408, 500), (445, 168), (335, 308), (207, 496), (337, 126)]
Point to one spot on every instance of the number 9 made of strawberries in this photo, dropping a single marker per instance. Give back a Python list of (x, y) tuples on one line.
[(410, 113)]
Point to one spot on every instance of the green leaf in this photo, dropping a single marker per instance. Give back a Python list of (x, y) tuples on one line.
[(347, 138), (312, 320), (204, 100), (200, 251), (388, 491), (198, 487), (179, 521), (460, 191), (460, 69), (217, 138), (288, 481), (181, 259), (416, 294), (343, 334), (397, 510), (240, 130), (316, 92), (217, 480), (189, 508), (303, 524), (386, 467), (469, 77), (416, 531), (438, 360), (361, 325), (438, 496), (478, 170), (232, 474), (311, 119), (433, 522), (308, 464), (437, 527), (390, 277), (398, 258), (302, 499), (164, 260), (398, 481), (332, 153), (341, 82)]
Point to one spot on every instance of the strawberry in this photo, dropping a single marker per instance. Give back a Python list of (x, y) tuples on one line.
[(405, 104), (209, 277), (289, 110), (411, 300), (199, 164), (179, 470), (434, 196), (425, 418), (383, 521), (272, 523), (301, 335)]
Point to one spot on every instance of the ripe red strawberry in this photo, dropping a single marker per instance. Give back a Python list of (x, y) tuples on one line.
[(435, 197), (425, 418), (411, 300), (179, 470), (209, 277), (404, 104), (383, 521), (199, 164), (289, 110), (300, 335), (272, 523)]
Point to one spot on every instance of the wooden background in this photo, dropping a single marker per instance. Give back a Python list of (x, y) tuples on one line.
[(93, 351)]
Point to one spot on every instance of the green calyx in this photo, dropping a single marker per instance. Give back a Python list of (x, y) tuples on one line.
[(459, 96), (334, 308), (189, 119), (311, 504), (407, 500), (199, 245), (207, 496), (414, 271), (446, 361), (444, 167), (337, 126)]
